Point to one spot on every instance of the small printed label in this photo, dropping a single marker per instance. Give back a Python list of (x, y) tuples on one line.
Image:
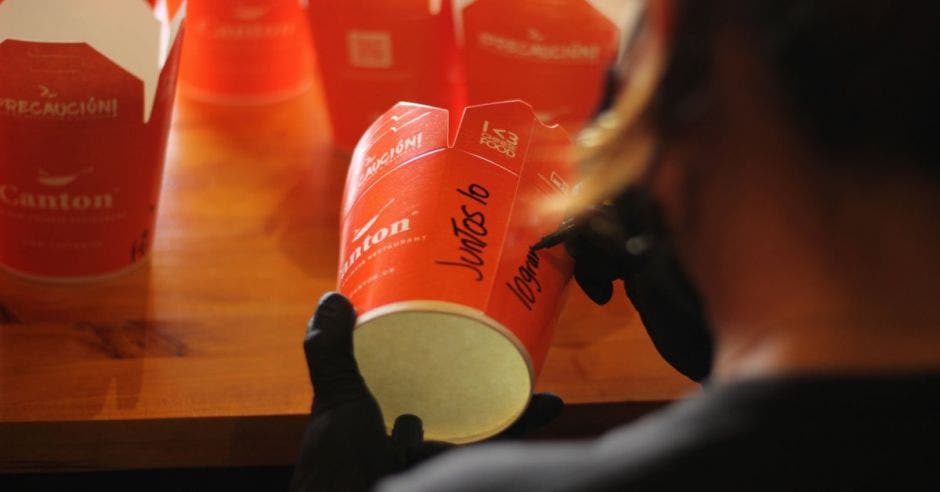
[(241, 31), (501, 140), (554, 180), (536, 47), (389, 155), (48, 105), (250, 11), (248, 20), (369, 49)]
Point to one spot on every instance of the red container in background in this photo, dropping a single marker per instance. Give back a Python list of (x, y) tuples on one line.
[(456, 311), (246, 51), (554, 54), (374, 53), (86, 97)]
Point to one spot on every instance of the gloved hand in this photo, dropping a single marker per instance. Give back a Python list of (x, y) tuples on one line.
[(623, 240), (345, 447)]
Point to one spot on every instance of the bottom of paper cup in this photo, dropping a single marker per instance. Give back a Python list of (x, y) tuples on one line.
[(464, 374), (52, 279)]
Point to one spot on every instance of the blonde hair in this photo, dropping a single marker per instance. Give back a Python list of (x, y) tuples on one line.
[(614, 151)]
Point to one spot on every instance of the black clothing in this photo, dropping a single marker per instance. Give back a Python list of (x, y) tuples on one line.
[(798, 433)]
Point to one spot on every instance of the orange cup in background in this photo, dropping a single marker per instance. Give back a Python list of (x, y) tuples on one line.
[(554, 54), (246, 51), (456, 311), (86, 98), (374, 53)]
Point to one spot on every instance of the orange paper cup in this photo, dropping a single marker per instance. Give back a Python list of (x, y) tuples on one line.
[(86, 96), (246, 51), (456, 311), (374, 53)]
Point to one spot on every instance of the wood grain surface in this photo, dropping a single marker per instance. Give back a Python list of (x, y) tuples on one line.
[(194, 359)]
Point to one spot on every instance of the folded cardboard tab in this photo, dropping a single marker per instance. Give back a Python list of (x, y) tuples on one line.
[(404, 132), (500, 133)]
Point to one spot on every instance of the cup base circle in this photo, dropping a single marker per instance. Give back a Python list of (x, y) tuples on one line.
[(464, 374)]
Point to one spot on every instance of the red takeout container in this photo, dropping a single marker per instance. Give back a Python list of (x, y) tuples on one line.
[(86, 95), (246, 51), (554, 54), (456, 311), (374, 53)]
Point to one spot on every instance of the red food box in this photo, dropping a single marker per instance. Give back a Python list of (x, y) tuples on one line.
[(554, 54), (456, 311), (374, 53), (86, 95), (246, 51)]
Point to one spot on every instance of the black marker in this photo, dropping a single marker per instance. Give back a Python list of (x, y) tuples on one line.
[(565, 230)]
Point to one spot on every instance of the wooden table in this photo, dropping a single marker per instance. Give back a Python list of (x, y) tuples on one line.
[(195, 358)]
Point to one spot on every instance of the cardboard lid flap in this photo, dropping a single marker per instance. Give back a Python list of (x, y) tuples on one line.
[(129, 33), (500, 132)]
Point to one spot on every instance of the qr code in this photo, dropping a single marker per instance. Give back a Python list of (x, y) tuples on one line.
[(369, 49)]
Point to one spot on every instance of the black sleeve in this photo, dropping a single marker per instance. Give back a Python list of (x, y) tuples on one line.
[(509, 467), (621, 458), (798, 433)]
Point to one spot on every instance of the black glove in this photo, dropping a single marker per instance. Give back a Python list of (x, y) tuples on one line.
[(624, 240), (345, 447)]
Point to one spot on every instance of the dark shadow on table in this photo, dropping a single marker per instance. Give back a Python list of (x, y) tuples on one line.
[(306, 223), (71, 351)]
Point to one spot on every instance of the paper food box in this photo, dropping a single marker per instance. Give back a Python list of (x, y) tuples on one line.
[(455, 311), (374, 53), (86, 91), (554, 54), (246, 51)]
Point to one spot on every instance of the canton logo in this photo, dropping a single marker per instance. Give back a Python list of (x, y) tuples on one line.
[(368, 238), (55, 180), (47, 93), (250, 11), (57, 200), (534, 35), (358, 233)]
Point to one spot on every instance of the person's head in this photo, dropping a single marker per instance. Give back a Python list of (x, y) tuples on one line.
[(789, 144)]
